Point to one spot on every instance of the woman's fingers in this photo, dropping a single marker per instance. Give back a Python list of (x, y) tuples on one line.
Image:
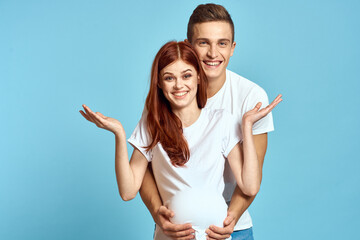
[(86, 108), (85, 115), (88, 112), (102, 121), (278, 97), (256, 113), (93, 116), (273, 104), (256, 108), (100, 114), (97, 117), (276, 101)]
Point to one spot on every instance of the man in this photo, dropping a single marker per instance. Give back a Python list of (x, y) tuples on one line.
[(211, 32)]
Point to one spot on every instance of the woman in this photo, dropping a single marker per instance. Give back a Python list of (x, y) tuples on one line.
[(187, 144)]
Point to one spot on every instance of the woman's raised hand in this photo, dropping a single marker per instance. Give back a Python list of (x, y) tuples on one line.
[(102, 121), (255, 114)]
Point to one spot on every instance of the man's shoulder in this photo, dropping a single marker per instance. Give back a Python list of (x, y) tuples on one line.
[(242, 84)]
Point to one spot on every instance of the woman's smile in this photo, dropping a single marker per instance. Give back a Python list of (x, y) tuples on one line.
[(180, 95)]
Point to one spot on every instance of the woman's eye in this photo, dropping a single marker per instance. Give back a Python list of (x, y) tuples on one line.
[(168, 78), (186, 76)]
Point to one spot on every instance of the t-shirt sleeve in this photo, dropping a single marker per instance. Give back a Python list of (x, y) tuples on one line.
[(140, 138), (232, 133), (264, 125)]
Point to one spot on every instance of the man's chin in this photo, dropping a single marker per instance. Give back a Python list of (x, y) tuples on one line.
[(213, 75)]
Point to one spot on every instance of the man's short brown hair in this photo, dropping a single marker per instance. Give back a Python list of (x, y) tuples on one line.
[(208, 13)]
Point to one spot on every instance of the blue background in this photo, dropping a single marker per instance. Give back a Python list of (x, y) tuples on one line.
[(57, 178)]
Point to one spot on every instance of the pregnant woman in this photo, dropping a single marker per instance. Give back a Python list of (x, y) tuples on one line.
[(186, 143)]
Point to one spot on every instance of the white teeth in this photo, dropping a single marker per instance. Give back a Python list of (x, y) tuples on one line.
[(212, 63), (180, 94)]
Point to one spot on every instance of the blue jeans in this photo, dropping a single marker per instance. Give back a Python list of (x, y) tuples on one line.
[(246, 234)]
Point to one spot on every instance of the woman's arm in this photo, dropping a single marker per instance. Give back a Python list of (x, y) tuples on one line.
[(245, 167), (129, 175), (247, 171)]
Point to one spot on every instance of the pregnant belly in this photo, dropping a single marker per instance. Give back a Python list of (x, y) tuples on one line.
[(199, 207)]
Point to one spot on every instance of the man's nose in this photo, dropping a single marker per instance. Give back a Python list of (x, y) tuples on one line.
[(212, 53)]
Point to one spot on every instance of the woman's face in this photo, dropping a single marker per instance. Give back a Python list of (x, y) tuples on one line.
[(179, 82)]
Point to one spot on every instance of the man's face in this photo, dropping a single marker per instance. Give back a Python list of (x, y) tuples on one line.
[(213, 43)]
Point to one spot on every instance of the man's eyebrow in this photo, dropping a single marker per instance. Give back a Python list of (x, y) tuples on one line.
[(202, 39), (219, 40), (224, 39)]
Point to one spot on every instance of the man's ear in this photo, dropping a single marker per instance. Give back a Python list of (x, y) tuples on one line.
[(233, 45)]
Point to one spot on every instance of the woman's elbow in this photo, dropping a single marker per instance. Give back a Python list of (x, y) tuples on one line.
[(252, 191), (127, 197)]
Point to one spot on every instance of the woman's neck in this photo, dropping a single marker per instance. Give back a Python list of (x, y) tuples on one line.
[(188, 115)]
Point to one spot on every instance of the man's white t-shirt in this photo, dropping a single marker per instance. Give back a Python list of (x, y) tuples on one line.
[(194, 191), (237, 96)]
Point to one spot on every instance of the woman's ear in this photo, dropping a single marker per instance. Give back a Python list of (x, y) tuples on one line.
[(198, 82)]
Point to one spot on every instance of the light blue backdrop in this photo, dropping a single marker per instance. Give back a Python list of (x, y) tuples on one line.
[(57, 177)]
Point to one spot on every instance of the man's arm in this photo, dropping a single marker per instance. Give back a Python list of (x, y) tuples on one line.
[(161, 215), (239, 201), (150, 194)]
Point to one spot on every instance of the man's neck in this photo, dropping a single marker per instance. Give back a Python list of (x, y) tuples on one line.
[(215, 85)]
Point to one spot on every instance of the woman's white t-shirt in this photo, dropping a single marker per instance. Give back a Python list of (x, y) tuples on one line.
[(194, 191)]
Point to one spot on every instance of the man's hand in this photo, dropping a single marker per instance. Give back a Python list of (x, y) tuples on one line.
[(215, 232), (174, 231)]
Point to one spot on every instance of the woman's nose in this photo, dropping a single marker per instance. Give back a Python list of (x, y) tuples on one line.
[(178, 84)]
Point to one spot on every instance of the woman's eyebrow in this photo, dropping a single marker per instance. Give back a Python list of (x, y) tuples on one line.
[(167, 73), (186, 70)]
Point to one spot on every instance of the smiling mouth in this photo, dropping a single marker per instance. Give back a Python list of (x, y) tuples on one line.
[(212, 63), (180, 94)]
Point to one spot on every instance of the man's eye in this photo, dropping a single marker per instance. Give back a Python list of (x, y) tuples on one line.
[(223, 44), (202, 43)]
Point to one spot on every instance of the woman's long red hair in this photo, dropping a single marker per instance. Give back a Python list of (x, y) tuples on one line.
[(163, 125)]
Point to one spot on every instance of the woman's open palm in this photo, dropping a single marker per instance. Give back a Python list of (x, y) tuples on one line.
[(256, 114), (108, 123)]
